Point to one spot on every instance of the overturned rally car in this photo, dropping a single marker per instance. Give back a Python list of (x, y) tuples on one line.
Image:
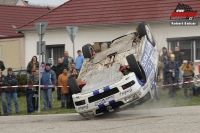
[(116, 74)]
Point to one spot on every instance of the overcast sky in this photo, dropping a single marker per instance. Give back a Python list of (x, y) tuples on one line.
[(47, 2)]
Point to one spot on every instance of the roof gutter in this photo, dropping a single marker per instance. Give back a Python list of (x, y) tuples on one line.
[(99, 25)]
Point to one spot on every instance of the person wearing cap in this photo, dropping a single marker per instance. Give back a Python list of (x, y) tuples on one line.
[(32, 79), (48, 78), (188, 74), (163, 59), (3, 94), (11, 93), (42, 67), (65, 93), (33, 64), (172, 73)]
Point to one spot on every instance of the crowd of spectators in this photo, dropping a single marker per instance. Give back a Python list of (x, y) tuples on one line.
[(50, 75), (171, 67)]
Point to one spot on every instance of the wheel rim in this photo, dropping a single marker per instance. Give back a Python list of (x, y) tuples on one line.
[(149, 33)]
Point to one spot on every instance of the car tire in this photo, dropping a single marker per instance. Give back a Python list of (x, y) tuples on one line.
[(73, 86), (136, 67), (144, 29), (156, 91), (87, 50)]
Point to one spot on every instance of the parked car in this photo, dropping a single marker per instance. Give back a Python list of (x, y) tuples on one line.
[(116, 74), (20, 72)]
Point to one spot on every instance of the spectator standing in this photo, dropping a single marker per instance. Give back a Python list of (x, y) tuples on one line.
[(48, 78), (58, 71), (42, 67), (199, 67), (73, 71), (79, 60), (32, 79), (188, 75), (51, 62), (67, 60), (179, 59), (3, 94), (11, 93), (2, 67), (33, 64), (164, 59), (172, 73), (65, 93), (35, 96)]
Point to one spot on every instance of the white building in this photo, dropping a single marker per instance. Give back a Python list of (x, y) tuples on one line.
[(100, 21)]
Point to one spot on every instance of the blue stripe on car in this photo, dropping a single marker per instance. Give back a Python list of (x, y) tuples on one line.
[(96, 92), (111, 102), (140, 82), (107, 88), (101, 105)]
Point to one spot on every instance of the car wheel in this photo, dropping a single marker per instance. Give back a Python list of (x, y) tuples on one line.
[(87, 50), (144, 29), (136, 68), (156, 91), (73, 86)]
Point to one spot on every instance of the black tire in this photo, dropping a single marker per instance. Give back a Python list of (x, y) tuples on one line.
[(156, 91), (136, 68), (143, 29), (87, 50), (73, 86)]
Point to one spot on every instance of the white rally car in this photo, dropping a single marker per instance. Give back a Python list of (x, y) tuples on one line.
[(116, 74)]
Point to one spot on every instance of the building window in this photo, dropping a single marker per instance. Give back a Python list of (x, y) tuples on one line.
[(189, 47), (55, 52), (186, 49), (197, 50)]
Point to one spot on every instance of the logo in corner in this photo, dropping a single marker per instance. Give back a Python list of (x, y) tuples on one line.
[(184, 11)]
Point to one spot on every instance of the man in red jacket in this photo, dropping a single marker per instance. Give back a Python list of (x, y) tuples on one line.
[(199, 67)]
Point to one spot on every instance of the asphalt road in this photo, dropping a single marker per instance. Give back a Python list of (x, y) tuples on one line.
[(165, 120)]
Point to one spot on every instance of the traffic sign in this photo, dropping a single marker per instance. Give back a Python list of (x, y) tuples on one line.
[(42, 47), (72, 30), (41, 28)]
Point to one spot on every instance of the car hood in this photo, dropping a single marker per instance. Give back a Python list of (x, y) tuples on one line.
[(102, 79)]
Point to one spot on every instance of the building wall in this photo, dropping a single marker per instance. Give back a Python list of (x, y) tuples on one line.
[(161, 31), (12, 53)]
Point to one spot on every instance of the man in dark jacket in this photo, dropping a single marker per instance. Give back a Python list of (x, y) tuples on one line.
[(2, 67), (179, 59), (58, 70), (172, 73), (11, 93), (164, 59), (3, 94), (32, 79), (48, 78)]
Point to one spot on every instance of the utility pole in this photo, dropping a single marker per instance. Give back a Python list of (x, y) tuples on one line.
[(41, 49)]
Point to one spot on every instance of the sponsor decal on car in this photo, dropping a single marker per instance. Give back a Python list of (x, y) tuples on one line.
[(83, 107), (127, 91), (104, 100)]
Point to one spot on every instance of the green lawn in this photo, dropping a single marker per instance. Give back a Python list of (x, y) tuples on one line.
[(56, 107), (163, 103)]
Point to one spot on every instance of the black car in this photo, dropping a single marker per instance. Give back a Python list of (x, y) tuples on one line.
[(20, 72)]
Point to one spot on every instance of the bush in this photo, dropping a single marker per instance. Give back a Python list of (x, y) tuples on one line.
[(22, 80)]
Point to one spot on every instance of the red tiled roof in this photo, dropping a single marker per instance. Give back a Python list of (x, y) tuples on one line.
[(15, 16), (95, 12)]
